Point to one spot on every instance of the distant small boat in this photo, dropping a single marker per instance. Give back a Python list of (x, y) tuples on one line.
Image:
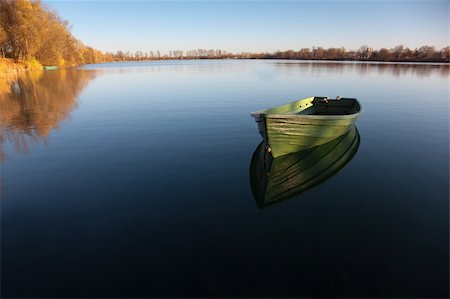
[(50, 67), (275, 179), (306, 123)]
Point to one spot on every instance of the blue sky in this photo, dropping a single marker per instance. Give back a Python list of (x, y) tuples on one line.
[(256, 26)]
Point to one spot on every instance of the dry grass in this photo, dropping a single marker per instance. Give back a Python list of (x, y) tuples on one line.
[(10, 66), (9, 72)]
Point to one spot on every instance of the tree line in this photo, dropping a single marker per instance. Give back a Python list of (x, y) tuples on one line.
[(364, 53), (31, 33)]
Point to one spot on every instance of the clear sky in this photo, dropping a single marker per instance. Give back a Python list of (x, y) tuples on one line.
[(256, 26)]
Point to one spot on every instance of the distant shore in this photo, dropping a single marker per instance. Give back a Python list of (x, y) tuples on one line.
[(8, 65)]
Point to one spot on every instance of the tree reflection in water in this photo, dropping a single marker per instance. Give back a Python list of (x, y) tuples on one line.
[(35, 103)]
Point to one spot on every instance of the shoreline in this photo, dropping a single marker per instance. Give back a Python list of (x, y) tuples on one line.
[(8, 65), (280, 60)]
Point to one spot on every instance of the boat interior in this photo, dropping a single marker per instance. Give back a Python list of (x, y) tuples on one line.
[(314, 106), (325, 106)]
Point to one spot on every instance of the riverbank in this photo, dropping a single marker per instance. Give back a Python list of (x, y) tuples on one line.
[(11, 70), (8, 65)]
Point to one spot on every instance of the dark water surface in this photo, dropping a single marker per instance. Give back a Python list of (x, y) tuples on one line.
[(133, 180)]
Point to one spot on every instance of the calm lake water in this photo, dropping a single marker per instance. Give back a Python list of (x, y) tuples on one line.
[(133, 180)]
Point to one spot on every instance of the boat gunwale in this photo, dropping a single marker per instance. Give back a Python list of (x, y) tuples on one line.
[(261, 113)]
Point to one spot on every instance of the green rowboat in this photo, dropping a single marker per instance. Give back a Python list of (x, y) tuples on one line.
[(50, 68), (306, 123), (275, 179)]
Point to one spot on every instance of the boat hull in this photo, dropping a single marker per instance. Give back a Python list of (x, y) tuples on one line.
[(289, 133)]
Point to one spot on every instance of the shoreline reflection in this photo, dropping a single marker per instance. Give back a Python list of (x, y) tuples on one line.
[(421, 70)]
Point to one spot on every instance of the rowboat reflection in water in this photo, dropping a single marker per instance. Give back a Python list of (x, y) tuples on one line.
[(275, 179)]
